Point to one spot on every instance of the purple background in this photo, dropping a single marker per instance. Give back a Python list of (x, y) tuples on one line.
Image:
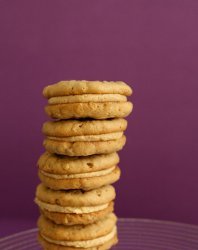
[(152, 45)]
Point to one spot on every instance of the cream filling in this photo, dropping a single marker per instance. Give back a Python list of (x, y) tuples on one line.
[(84, 243), (102, 137), (83, 175), (87, 98), (75, 210)]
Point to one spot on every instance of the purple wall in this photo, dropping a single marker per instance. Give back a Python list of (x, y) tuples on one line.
[(152, 45)]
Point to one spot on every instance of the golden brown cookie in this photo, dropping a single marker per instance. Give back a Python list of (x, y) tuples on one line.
[(85, 181), (75, 206), (50, 246), (83, 148), (96, 110), (79, 87), (81, 138), (88, 99), (61, 164), (73, 128), (63, 172), (91, 236), (76, 219)]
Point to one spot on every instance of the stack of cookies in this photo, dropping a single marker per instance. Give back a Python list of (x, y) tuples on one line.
[(75, 197)]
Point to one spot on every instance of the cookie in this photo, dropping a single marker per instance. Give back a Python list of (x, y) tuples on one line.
[(99, 235), (84, 148), (75, 206), (60, 164), (79, 87), (81, 138), (85, 181), (68, 128), (50, 246), (88, 99), (63, 172), (96, 110)]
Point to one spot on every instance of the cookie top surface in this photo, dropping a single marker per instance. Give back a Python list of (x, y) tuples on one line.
[(76, 198), (77, 87), (67, 128), (57, 164), (76, 232)]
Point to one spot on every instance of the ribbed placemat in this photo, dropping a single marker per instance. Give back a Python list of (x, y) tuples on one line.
[(134, 234)]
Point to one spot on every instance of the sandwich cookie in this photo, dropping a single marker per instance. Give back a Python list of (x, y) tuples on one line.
[(83, 99), (82, 138), (101, 235), (63, 172), (75, 206)]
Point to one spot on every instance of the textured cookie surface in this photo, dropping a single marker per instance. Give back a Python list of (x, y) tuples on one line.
[(86, 183), (78, 219), (57, 164), (77, 232), (77, 87), (96, 110), (76, 198), (75, 207), (83, 148), (50, 246), (83, 127)]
